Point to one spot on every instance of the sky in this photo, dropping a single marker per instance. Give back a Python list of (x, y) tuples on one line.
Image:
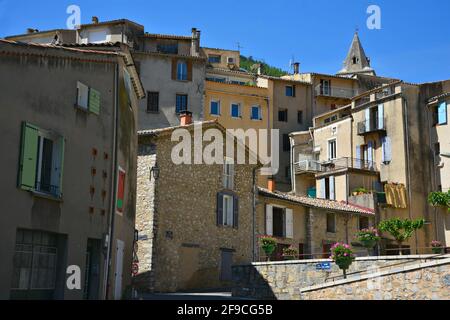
[(412, 44)]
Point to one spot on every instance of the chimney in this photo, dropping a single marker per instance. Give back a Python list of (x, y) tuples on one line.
[(296, 67), (94, 20), (271, 184), (259, 69), (185, 118), (195, 44)]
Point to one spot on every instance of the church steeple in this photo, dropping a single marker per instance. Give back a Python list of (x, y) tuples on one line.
[(356, 61)]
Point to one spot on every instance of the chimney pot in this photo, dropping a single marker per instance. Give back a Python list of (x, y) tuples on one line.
[(271, 184), (95, 19), (185, 118), (296, 68)]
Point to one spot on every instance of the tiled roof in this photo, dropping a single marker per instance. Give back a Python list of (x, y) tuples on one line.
[(165, 36), (154, 132), (445, 94), (283, 79), (316, 203), (117, 21)]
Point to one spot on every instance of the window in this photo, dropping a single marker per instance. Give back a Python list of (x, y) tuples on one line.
[(88, 98), (290, 91), (279, 223), (35, 260), (363, 222), (228, 174), (235, 110), (283, 115), (331, 222), (286, 142), (152, 101), (181, 103), (214, 59), (227, 209), (41, 161), (437, 149), (300, 117), (326, 188), (182, 71), (440, 114), (215, 107), (332, 149), (168, 47), (230, 60), (326, 250), (256, 113), (325, 88), (226, 265)]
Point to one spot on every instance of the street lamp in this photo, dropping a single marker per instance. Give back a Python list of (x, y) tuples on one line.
[(154, 171)]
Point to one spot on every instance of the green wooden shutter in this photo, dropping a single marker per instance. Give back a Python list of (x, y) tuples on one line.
[(94, 101), (61, 165), (28, 157)]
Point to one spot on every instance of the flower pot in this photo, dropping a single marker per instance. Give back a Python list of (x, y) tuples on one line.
[(368, 243), (344, 262), (437, 250)]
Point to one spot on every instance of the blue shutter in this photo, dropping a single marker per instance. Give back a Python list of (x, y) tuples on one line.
[(387, 150), (367, 117), (442, 113), (332, 193), (380, 116)]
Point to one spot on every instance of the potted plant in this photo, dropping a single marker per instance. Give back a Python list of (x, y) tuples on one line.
[(268, 244), (290, 253), (436, 247), (400, 229), (343, 256), (440, 199), (368, 237), (359, 191)]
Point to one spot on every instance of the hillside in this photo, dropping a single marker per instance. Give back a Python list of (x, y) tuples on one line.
[(248, 62)]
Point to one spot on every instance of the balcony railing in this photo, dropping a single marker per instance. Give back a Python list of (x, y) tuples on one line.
[(313, 166), (308, 166), (336, 92), (374, 125), (47, 189), (345, 163)]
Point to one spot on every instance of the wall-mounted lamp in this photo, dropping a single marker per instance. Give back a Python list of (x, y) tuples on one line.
[(154, 171)]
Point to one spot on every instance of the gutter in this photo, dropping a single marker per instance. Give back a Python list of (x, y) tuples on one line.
[(106, 280)]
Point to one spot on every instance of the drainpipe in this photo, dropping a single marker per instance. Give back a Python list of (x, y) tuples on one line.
[(255, 190), (106, 282), (408, 173)]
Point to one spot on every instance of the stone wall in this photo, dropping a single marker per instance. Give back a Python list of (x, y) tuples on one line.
[(285, 279)]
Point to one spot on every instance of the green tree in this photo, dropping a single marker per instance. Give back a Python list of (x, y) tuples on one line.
[(400, 229), (249, 63), (440, 199)]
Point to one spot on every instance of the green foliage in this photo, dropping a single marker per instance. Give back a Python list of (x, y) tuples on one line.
[(248, 63), (268, 244), (361, 190), (400, 229), (440, 199), (290, 252)]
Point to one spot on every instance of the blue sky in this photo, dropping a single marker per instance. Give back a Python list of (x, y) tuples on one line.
[(413, 43)]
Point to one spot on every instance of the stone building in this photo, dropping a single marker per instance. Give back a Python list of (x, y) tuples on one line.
[(194, 220), (310, 225), (69, 127)]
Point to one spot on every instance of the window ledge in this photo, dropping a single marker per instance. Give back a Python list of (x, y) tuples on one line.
[(44, 195), (76, 106)]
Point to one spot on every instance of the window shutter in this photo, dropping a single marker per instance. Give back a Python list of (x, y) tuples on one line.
[(189, 70), (28, 157), (235, 211), (380, 116), (94, 101), (82, 95), (58, 164), (332, 193), (174, 69), (442, 113), (367, 117), (293, 90), (321, 189), (269, 219), (369, 152), (219, 211), (289, 223), (387, 149), (358, 157)]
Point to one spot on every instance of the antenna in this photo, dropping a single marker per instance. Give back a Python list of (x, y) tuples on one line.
[(239, 47), (291, 64)]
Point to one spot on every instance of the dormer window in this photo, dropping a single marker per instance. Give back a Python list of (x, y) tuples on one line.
[(355, 60)]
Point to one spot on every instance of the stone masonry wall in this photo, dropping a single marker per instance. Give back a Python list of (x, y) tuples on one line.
[(285, 279)]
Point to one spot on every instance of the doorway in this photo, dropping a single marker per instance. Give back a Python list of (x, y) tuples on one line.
[(119, 270)]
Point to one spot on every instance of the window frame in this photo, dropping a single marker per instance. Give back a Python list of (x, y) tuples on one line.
[(258, 107), (333, 222), (292, 91), (300, 116), (217, 101), (282, 115), (152, 93), (228, 214), (228, 173), (329, 149), (181, 95), (182, 72), (239, 116)]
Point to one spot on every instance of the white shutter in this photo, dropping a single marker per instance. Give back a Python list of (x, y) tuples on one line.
[(83, 95), (332, 193), (289, 224), (322, 193), (269, 219), (367, 111), (380, 116)]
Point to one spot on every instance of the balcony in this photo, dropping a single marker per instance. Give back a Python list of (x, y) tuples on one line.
[(370, 126), (335, 92), (346, 163), (308, 166)]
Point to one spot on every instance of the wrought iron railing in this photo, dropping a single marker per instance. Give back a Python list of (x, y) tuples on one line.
[(346, 162), (322, 90), (377, 124), (308, 166), (47, 188)]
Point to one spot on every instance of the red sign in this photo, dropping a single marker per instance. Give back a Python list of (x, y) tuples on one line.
[(120, 191), (134, 269)]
